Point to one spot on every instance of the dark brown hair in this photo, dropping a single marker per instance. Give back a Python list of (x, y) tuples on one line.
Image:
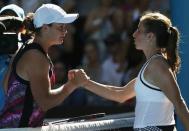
[(167, 36), (29, 26)]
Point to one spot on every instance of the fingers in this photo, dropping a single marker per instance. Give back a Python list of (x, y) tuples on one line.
[(78, 77), (75, 72), (81, 73), (71, 74), (84, 74)]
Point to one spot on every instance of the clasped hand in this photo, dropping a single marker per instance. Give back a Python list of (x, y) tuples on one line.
[(78, 77)]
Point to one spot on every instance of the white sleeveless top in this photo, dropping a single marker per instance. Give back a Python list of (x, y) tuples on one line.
[(153, 108)]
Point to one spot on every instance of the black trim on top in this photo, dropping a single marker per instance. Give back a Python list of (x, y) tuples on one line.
[(148, 85), (142, 72)]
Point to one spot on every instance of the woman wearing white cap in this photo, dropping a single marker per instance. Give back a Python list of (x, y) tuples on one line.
[(29, 80)]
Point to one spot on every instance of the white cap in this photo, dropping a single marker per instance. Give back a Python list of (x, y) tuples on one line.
[(18, 10), (50, 13)]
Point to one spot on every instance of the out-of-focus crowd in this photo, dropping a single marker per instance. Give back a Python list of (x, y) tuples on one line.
[(100, 42)]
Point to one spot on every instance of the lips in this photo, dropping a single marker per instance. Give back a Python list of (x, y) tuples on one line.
[(62, 37)]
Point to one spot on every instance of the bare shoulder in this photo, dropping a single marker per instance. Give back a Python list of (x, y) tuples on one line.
[(158, 72), (158, 64), (37, 59), (33, 62), (35, 56)]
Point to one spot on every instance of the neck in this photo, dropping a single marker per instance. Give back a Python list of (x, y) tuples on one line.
[(150, 53), (42, 43)]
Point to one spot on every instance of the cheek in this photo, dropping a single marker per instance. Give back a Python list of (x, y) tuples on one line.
[(55, 34), (137, 39), (140, 39), (55, 38), (139, 42), (52, 33)]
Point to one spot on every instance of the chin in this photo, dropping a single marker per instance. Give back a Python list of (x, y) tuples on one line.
[(137, 47), (59, 42)]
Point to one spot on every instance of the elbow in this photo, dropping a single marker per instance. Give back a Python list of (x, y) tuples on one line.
[(119, 99), (123, 99), (44, 104), (180, 103), (44, 107)]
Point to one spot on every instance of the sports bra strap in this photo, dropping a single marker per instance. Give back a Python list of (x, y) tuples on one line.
[(24, 49)]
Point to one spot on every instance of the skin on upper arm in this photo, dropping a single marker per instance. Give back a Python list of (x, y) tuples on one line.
[(36, 70), (159, 73)]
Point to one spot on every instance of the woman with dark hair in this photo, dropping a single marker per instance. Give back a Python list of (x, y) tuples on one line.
[(28, 83), (156, 89)]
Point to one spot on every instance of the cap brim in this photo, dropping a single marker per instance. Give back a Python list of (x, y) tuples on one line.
[(69, 18), (16, 9), (4, 18)]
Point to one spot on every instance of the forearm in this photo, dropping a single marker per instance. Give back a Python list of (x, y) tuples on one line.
[(106, 91), (57, 96), (183, 113)]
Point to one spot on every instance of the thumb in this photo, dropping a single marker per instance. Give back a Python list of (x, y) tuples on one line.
[(71, 75)]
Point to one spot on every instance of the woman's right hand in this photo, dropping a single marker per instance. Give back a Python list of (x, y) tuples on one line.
[(78, 77)]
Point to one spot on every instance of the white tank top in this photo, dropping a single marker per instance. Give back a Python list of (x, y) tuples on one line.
[(153, 108)]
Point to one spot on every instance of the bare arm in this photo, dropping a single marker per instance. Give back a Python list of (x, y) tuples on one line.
[(119, 94), (164, 78), (37, 69)]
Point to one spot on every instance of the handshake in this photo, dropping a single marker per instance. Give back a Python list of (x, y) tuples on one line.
[(78, 77)]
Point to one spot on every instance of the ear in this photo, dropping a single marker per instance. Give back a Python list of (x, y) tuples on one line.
[(45, 27), (150, 35)]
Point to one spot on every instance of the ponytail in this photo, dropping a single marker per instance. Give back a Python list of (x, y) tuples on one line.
[(29, 26), (172, 49)]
